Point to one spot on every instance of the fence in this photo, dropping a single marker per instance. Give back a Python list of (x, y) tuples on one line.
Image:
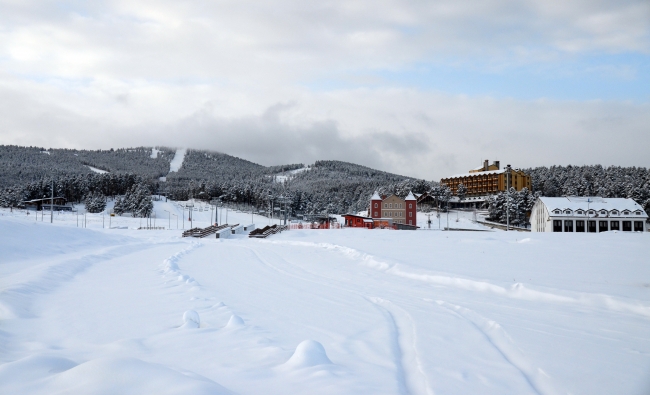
[(151, 228), (314, 225)]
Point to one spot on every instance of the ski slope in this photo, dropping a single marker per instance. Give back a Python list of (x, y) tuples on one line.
[(97, 310)]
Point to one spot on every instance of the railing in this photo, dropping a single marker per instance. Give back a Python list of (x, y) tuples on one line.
[(312, 225), (204, 232), (267, 231), (151, 228)]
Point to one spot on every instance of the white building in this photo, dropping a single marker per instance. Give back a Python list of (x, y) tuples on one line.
[(587, 214)]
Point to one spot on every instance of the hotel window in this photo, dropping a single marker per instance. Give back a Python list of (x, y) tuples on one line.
[(602, 226), (568, 225), (614, 225), (614, 212), (410, 214), (603, 212), (375, 205), (557, 225), (390, 205), (627, 226), (638, 226), (410, 205), (580, 226)]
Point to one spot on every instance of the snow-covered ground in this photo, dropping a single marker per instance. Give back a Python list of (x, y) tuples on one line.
[(96, 170), (287, 175), (177, 162), (349, 311)]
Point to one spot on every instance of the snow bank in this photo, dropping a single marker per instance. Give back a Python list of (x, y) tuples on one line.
[(308, 353), (191, 319), (235, 322), (42, 374)]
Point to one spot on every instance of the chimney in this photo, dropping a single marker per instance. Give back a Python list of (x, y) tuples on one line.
[(496, 163), (485, 164)]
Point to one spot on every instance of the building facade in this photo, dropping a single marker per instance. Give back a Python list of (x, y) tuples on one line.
[(399, 211), (587, 215), (488, 180)]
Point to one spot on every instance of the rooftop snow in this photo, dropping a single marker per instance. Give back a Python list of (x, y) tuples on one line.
[(596, 203), (480, 173)]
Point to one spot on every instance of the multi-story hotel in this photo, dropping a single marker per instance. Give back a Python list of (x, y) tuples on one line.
[(489, 179)]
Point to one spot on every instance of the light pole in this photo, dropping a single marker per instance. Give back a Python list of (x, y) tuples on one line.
[(214, 207), (170, 218), (190, 207), (52, 203), (176, 220), (508, 169), (587, 214)]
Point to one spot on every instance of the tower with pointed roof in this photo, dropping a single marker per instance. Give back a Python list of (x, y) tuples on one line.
[(375, 206), (411, 209)]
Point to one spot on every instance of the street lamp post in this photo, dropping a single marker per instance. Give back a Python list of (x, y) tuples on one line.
[(170, 218), (190, 207), (508, 170)]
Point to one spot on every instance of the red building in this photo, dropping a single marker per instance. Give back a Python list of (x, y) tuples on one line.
[(399, 211), (358, 221)]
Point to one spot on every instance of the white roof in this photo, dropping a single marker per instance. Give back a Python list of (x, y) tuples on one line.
[(479, 173), (410, 196), (375, 196), (592, 202)]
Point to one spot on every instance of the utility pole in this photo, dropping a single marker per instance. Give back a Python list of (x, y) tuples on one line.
[(170, 219), (508, 169), (52, 204)]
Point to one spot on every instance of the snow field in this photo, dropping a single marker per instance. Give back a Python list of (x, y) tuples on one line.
[(333, 311)]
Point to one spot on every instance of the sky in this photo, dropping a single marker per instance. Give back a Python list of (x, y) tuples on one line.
[(419, 88)]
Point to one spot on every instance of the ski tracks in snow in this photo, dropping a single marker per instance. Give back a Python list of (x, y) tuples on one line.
[(411, 377), (170, 265), (504, 344), (16, 299), (517, 291)]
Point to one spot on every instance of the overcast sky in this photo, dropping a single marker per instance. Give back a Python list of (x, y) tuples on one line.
[(420, 88)]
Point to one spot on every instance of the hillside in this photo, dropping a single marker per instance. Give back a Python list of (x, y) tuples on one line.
[(333, 186)]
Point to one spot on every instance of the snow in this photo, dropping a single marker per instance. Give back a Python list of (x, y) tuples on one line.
[(287, 175), (154, 153), (375, 196), (481, 173), (98, 310), (96, 170), (177, 162)]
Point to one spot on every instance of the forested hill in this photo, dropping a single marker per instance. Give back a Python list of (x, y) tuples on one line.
[(19, 165), (334, 186)]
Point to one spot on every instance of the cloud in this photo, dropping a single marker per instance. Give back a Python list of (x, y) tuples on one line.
[(243, 78)]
